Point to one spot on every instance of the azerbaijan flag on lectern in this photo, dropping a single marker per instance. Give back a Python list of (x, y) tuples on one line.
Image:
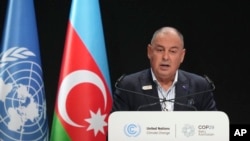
[(84, 93)]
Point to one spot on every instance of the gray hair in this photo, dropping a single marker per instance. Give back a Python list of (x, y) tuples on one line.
[(166, 30)]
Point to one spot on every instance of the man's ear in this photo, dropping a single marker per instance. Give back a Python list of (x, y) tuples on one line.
[(149, 51), (183, 55)]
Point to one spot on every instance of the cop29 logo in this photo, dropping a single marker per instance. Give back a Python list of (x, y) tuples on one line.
[(188, 130), (132, 130)]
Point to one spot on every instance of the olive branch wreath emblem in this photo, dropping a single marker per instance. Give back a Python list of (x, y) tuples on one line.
[(14, 54)]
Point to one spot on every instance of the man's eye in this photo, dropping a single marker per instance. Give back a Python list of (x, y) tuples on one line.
[(173, 51), (159, 50)]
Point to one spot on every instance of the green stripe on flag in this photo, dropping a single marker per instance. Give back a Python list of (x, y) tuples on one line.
[(58, 133)]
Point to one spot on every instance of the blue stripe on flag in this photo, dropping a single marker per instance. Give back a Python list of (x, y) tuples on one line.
[(86, 19)]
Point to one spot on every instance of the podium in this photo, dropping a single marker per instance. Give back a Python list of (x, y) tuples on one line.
[(168, 126)]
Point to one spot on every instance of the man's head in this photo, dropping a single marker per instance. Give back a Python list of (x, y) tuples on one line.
[(166, 52)]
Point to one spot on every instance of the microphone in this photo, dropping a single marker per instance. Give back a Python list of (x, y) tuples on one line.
[(165, 100), (138, 93), (210, 82), (190, 101)]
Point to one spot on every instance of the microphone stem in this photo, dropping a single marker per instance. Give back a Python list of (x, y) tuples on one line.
[(137, 93), (165, 100)]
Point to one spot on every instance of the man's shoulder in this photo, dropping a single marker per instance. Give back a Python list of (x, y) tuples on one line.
[(139, 73), (142, 74), (190, 75)]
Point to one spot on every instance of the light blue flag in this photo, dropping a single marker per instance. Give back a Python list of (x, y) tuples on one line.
[(22, 98)]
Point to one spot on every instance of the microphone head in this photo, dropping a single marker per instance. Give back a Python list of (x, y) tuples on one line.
[(210, 81), (119, 79)]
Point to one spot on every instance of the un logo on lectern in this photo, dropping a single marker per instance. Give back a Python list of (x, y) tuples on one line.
[(132, 130)]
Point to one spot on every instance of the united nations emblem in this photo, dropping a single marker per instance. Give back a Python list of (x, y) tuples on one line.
[(22, 99)]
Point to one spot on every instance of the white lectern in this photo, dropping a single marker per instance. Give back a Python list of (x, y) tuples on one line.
[(168, 126)]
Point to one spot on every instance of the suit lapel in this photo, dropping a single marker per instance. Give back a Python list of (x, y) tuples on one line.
[(148, 87), (181, 90)]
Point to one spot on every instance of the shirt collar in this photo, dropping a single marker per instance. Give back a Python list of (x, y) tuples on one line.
[(155, 80)]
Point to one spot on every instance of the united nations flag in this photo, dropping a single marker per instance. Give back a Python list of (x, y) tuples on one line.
[(22, 99)]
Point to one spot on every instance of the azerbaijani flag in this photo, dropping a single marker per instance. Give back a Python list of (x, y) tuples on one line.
[(22, 97), (84, 93)]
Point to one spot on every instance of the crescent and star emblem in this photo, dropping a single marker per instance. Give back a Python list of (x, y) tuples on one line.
[(70, 81)]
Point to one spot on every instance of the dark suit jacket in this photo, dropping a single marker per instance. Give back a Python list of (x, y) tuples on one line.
[(187, 84)]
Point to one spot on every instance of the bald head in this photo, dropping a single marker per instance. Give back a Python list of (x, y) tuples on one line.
[(168, 30)]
